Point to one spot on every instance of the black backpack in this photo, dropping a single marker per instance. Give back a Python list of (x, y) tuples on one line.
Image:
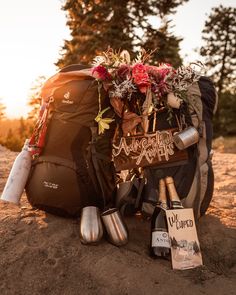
[(194, 179), (74, 168)]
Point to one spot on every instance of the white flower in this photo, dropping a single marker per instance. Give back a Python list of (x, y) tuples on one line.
[(125, 56), (98, 60)]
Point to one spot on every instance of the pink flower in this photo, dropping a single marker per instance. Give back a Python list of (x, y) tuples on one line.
[(160, 71), (101, 73), (164, 69), (151, 68), (140, 76)]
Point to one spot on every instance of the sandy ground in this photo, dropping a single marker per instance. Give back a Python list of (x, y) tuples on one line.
[(42, 254)]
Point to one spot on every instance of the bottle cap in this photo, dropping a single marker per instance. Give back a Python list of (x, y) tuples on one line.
[(169, 180), (27, 142), (171, 188), (26, 145), (162, 191)]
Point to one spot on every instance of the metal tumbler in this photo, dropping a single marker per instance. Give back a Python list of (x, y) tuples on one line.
[(186, 138), (115, 227), (91, 230), (123, 189)]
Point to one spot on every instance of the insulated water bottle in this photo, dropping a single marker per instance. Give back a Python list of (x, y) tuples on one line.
[(18, 176)]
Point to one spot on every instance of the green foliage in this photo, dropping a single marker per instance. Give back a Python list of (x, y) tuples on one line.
[(225, 122), (219, 49), (97, 25), (94, 26), (165, 7), (16, 135), (166, 44), (12, 141)]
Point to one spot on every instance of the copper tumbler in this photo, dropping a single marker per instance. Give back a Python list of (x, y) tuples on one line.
[(115, 227), (91, 230)]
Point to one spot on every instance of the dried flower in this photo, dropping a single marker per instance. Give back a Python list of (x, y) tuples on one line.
[(137, 88), (123, 72), (122, 89), (103, 123)]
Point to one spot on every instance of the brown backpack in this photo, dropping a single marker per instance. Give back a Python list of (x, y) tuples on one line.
[(74, 168)]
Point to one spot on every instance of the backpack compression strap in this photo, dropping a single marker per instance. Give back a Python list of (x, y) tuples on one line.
[(37, 140)]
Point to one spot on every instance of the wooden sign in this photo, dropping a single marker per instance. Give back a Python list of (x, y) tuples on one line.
[(151, 149), (185, 247)]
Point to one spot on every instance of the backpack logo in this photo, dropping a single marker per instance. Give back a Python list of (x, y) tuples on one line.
[(67, 98), (50, 185)]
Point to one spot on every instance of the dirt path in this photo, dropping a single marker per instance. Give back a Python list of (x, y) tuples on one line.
[(42, 254)]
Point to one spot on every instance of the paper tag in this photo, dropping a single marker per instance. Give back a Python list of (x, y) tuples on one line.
[(160, 239), (185, 247)]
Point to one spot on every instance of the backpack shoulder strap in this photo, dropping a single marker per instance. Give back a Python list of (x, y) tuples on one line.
[(199, 185), (94, 159), (194, 100)]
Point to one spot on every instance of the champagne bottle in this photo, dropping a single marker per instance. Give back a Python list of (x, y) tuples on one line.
[(18, 176), (160, 244), (175, 202)]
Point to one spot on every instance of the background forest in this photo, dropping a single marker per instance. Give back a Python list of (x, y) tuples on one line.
[(127, 24)]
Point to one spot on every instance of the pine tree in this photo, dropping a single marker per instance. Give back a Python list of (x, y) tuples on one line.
[(166, 7), (95, 25), (227, 110), (142, 9), (166, 45), (219, 50)]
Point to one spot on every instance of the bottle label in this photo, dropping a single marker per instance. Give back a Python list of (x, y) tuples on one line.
[(176, 205), (160, 239)]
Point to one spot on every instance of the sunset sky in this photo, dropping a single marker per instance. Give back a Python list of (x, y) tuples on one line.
[(32, 33)]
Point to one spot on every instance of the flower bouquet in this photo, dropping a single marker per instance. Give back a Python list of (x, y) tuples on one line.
[(138, 92)]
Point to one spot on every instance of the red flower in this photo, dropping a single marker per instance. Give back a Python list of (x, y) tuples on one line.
[(140, 76), (161, 71), (124, 72), (101, 73), (164, 69)]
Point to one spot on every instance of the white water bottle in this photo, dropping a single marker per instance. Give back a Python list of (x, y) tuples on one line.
[(18, 176)]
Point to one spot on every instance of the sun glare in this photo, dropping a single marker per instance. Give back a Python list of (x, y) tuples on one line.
[(32, 33)]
